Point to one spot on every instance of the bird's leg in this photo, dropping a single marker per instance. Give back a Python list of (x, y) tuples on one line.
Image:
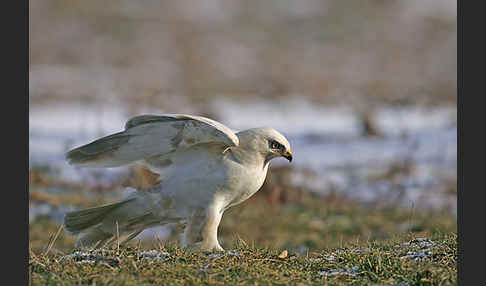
[(210, 230), (203, 224), (192, 231)]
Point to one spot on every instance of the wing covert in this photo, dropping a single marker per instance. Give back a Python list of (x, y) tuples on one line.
[(151, 135)]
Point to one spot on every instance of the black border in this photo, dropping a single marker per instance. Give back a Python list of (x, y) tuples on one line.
[(23, 66), (460, 130), (470, 69), (15, 141)]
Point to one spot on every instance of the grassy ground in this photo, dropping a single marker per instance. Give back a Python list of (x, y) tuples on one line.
[(329, 241), (401, 260)]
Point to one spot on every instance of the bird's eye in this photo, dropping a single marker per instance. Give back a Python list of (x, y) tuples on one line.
[(275, 145)]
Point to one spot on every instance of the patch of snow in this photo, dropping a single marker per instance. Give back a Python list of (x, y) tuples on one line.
[(420, 248), (351, 271), (153, 255), (93, 256)]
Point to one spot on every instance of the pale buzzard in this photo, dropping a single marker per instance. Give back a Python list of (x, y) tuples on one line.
[(205, 169)]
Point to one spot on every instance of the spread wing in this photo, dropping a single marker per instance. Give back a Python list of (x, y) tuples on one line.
[(151, 136)]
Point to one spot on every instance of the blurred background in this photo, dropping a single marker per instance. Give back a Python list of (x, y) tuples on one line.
[(364, 90)]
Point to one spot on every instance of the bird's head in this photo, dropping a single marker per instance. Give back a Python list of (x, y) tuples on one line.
[(267, 141)]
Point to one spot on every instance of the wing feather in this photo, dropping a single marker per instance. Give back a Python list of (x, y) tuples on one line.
[(146, 136)]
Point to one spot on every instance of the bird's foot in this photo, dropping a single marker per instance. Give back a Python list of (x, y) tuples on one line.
[(201, 247), (216, 248)]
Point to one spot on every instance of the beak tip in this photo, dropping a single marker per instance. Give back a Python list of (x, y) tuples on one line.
[(287, 155)]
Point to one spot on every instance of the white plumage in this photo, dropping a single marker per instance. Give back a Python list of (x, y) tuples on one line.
[(205, 168)]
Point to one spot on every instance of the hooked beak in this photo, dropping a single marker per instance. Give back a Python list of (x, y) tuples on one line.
[(288, 155)]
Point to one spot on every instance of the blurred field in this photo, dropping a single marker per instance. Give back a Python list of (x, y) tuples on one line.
[(171, 54)]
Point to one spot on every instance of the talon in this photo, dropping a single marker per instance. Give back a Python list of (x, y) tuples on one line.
[(198, 247)]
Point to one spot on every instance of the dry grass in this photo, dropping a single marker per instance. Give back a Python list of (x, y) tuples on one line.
[(402, 260), (365, 243)]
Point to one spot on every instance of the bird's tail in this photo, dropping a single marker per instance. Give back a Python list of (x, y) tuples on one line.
[(88, 224)]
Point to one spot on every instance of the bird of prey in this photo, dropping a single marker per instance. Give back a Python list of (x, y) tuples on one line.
[(204, 166)]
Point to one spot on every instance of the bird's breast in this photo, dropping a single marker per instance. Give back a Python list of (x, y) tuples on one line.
[(242, 182)]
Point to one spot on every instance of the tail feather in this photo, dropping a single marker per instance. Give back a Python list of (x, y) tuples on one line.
[(77, 221), (100, 225)]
